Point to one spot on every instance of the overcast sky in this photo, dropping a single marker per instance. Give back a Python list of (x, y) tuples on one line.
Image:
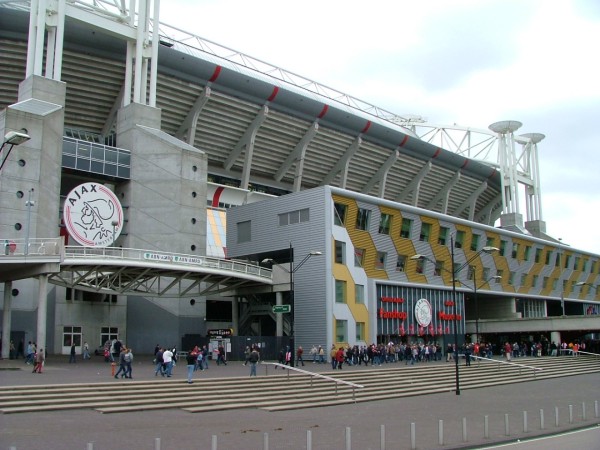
[(469, 62)]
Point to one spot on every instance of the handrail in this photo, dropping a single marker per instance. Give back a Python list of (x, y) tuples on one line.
[(313, 375), (588, 353), (499, 361)]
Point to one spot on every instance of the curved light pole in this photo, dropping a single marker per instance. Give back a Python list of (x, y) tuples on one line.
[(454, 272), (583, 283), (291, 271), (12, 138)]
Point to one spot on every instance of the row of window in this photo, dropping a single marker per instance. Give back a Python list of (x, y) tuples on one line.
[(341, 331), (516, 250)]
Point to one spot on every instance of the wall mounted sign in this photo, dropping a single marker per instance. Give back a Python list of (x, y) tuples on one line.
[(93, 215)]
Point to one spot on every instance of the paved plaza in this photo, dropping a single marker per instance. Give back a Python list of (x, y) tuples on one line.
[(328, 426)]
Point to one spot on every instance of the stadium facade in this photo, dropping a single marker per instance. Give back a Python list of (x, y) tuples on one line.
[(211, 153)]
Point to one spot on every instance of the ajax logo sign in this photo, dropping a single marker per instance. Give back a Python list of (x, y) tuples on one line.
[(93, 215)]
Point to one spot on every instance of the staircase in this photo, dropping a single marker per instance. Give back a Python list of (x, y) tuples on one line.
[(286, 391)]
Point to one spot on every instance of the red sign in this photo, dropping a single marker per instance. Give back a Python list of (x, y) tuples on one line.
[(383, 314), (392, 300)]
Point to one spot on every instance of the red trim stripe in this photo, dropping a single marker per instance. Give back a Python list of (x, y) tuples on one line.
[(465, 164), (323, 111), (404, 141), (367, 126), (217, 196), (437, 153), (215, 74), (273, 94)]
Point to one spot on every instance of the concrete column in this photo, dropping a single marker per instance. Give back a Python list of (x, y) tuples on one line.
[(555, 337), (42, 312), (279, 322), (6, 319), (235, 315)]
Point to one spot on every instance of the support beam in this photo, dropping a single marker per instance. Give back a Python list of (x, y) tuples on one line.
[(342, 164), (470, 202), (191, 119), (414, 186), (297, 155), (444, 194), (381, 175)]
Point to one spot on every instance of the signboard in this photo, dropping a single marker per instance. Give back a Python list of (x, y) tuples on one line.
[(93, 215), (280, 309)]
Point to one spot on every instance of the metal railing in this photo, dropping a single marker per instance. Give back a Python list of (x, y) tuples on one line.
[(313, 375), (37, 247), (499, 361)]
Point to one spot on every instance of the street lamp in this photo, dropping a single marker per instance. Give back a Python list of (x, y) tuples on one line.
[(454, 272), (583, 283), (114, 224), (13, 138), (291, 271)]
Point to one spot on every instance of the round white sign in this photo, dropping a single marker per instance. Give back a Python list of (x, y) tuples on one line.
[(423, 312), (93, 215)]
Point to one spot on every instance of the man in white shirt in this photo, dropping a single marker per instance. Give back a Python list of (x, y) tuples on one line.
[(168, 361)]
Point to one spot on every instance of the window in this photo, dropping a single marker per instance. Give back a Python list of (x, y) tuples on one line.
[(359, 257), (538, 255), (400, 263), (362, 219), (438, 269), (71, 335), (298, 216), (385, 223), (527, 253), (474, 242), (502, 248), (554, 284), (511, 278), (489, 242), (339, 214), (107, 334), (341, 331), (576, 263), (486, 274), (567, 261), (340, 291), (340, 252), (534, 280), (515, 250), (460, 239), (548, 256), (500, 273), (523, 279), (557, 259), (421, 265), (360, 294), (443, 237), (360, 331), (545, 282), (381, 259), (425, 232), (244, 232), (405, 229), (471, 272)]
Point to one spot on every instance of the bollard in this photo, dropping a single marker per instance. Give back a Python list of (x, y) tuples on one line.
[(583, 413), (266, 440), (112, 369), (570, 413), (348, 439), (156, 443), (90, 446), (464, 429), (308, 440), (486, 427), (506, 429), (556, 415), (541, 419), (413, 436), (441, 432), (213, 444), (525, 422), (382, 437), (596, 408)]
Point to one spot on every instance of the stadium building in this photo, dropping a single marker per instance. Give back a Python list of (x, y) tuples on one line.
[(162, 188)]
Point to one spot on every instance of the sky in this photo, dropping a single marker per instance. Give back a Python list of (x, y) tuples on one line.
[(464, 62)]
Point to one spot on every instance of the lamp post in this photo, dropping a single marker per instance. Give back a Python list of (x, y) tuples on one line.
[(583, 283), (114, 224), (291, 272), (29, 203), (454, 272), (12, 138)]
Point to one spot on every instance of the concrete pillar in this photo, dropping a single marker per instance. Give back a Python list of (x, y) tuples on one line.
[(235, 315), (555, 337), (6, 319), (42, 312), (279, 322)]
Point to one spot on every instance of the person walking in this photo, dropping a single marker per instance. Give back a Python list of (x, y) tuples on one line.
[(72, 354), (299, 353), (253, 360), (122, 365), (39, 361), (128, 362), (190, 359), (86, 351), (168, 362), (158, 360), (339, 357)]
